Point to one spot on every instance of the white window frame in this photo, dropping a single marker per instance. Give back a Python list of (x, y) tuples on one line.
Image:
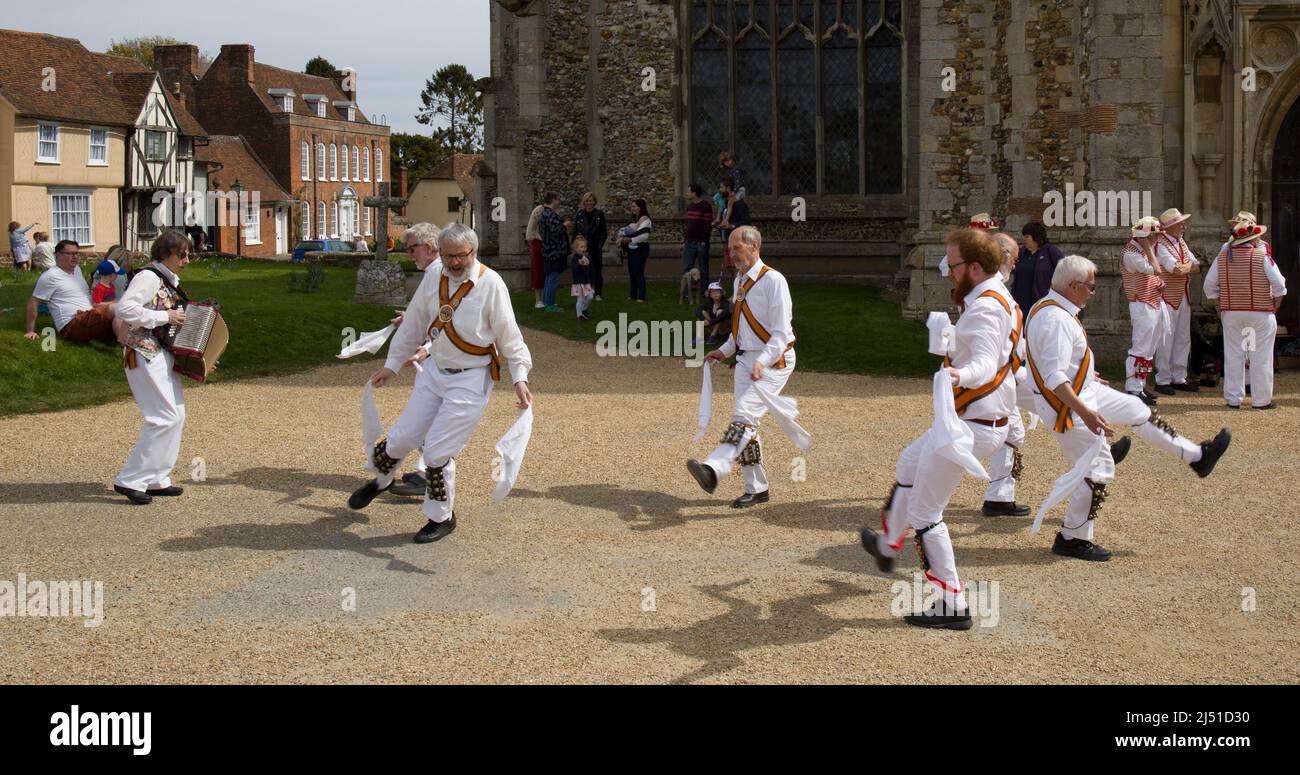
[(367, 221), (320, 108), (286, 103), (345, 169), (42, 125), (356, 163), (59, 233), (334, 220), (334, 162), (321, 223), (379, 165), (252, 216), (306, 160), (91, 144), (320, 161), (356, 219), (306, 220), (352, 113), (365, 157)]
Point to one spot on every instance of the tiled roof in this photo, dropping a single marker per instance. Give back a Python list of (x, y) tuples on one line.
[(268, 77), (457, 167), (84, 89), (239, 162)]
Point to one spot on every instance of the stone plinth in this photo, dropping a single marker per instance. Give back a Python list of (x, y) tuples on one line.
[(380, 282)]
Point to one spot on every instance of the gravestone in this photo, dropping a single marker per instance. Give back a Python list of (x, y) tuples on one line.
[(380, 281)]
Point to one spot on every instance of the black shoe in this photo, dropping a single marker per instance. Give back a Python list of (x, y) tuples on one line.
[(365, 494), (135, 496), (1144, 397), (166, 492), (1165, 390), (938, 616), (1187, 387), (1004, 509), (1211, 451), (1079, 548), (1233, 406), (411, 483), (869, 542), (704, 475), (1119, 450), (750, 499), (1269, 405), (434, 531)]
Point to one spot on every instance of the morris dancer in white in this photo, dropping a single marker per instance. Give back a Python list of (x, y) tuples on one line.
[(1177, 265), (421, 241), (982, 369), (1246, 285), (464, 307), (1080, 405), (1147, 313), (152, 300), (762, 339)]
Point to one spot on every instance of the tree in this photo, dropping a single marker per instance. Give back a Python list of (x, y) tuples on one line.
[(322, 67), (141, 48), (417, 153), (452, 96)]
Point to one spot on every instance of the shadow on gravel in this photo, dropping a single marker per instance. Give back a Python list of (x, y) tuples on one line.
[(100, 493), (647, 510), (718, 640), (293, 484), (328, 533)]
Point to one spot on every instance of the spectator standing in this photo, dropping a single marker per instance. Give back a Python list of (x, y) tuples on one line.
[(19, 246), (699, 221), (536, 273), (555, 248), (636, 236), (730, 170), (735, 215), (1034, 268), (590, 223), (582, 276)]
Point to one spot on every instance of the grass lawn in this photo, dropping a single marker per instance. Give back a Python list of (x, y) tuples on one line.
[(840, 328), (272, 331)]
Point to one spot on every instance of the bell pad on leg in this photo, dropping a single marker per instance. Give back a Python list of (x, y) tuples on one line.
[(383, 463), (437, 488), (751, 455), (735, 433)]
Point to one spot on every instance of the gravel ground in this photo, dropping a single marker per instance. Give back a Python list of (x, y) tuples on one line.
[(246, 578)]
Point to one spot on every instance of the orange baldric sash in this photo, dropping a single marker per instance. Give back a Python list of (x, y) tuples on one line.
[(448, 304), (964, 397), (742, 308), (1063, 420)]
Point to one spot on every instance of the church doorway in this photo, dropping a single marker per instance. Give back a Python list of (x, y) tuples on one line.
[(1284, 231)]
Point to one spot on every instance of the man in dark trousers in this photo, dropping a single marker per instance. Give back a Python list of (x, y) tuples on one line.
[(699, 222)]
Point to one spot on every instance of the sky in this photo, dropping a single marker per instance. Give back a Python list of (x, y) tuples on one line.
[(393, 53)]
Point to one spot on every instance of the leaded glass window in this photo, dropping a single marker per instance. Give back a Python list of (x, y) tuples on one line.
[(807, 93)]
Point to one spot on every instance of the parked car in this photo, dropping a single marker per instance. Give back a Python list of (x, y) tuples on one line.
[(320, 245)]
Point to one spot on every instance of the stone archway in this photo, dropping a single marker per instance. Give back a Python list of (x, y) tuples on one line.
[(1285, 211)]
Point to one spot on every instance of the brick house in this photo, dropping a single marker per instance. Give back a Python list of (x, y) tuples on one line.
[(307, 131), (230, 160)]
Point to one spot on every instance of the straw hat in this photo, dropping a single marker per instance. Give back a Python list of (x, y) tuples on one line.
[(1146, 227), (1242, 216), (982, 221), (1245, 230), (1172, 217)]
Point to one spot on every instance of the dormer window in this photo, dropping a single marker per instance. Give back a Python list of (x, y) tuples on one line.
[(283, 98), (347, 108), (317, 102)]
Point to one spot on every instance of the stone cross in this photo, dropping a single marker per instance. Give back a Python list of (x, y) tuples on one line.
[(384, 202)]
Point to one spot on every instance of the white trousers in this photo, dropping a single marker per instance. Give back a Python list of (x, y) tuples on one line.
[(157, 391), (1248, 336), (748, 408), (1118, 409), (1002, 485), (442, 413), (1149, 325), (926, 481), (1175, 346)]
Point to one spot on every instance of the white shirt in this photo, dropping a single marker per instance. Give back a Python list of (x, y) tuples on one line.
[(1135, 260), (1058, 343), (484, 316), (1276, 280), (43, 255), (66, 293), (642, 223), (981, 346), (1167, 258), (142, 290), (769, 301)]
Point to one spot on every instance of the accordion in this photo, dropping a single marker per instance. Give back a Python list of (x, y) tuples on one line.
[(196, 344)]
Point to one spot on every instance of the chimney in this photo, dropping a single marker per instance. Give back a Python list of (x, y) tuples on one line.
[(177, 64), (237, 59), (179, 94), (347, 83), (401, 182)]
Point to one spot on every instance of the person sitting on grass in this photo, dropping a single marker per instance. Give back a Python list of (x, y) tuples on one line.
[(105, 289), (43, 253), (583, 290), (715, 312), (64, 289)]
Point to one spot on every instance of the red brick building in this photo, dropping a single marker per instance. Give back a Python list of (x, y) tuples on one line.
[(308, 131), (265, 231)]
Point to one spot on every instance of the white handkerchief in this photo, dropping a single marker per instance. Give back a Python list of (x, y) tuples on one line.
[(368, 342), (1033, 421), (371, 427), (950, 437), (1088, 465), (784, 410), (511, 448), (942, 333), (706, 402)]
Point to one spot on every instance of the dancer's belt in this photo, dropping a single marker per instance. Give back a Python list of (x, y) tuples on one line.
[(990, 423)]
